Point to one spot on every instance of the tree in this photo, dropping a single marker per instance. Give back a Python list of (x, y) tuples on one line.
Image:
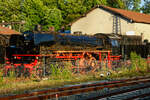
[(50, 3), (52, 17), (71, 9), (133, 5), (35, 12), (92, 3), (116, 4), (56, 13), (10, 10), (146, 7)]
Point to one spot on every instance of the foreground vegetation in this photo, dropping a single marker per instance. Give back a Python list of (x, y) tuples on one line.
[(63, 76)]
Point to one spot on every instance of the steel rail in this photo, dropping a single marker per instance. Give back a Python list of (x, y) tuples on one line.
[(84, 90), (138, 96), (69, 88), (97, 51), (96, 86), (122, 91)]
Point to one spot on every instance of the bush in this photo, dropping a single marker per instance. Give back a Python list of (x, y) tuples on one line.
[(138, 63)]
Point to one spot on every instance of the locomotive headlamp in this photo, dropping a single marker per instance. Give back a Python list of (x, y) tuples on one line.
[(15, 57), (25, 35), (37, 57)]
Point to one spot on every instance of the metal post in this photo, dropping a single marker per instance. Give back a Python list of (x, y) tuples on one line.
[(109, 62), (148, 57), (78, 67), (44, 69), (100, 58), (56, 96), (77, 63), (122, 51)]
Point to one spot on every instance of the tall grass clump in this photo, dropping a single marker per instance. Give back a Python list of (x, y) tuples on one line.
[(67, 72), (137, 66), (55, 70), (61, 71), (138, 63), (1, 78)]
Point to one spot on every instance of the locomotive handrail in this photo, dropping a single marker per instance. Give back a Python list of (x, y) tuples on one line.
[(75, 57), (71, 55), (25, 55), (97, 51)]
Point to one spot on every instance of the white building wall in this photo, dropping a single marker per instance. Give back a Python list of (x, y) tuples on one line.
[(127, 27), (99, 21), (144, 29)]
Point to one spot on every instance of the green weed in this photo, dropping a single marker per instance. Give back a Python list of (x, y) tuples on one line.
[(61, 72)]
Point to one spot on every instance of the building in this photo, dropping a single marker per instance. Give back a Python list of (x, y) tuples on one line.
[(7, 31), (5, 34), (103, 19)]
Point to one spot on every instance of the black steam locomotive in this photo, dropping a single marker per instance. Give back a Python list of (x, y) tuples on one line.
[(28, 49), (46, 42)]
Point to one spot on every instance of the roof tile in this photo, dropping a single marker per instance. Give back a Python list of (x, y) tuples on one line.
[(135, 16), (7, 31)]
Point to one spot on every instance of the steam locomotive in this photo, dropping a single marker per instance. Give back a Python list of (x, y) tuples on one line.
[(47, 43), (29, 48)]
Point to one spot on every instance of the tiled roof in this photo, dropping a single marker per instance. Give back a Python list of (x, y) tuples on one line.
[(7, 31), (134, 16)]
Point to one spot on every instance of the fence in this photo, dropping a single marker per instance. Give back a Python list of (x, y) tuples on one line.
[(76, 62)]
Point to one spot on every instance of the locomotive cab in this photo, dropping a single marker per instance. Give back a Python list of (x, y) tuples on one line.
[(110, 41)]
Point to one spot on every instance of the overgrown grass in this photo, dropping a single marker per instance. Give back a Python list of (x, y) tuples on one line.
[(62, 75), (19, 85), (138, 67)]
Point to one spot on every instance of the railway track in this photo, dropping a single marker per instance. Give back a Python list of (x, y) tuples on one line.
[(103, 90)]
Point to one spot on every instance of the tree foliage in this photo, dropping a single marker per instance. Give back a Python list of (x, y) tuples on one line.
[(116, 3), (35, 12), (10, 10), (133, 5), (56, 13), (146, 7)]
